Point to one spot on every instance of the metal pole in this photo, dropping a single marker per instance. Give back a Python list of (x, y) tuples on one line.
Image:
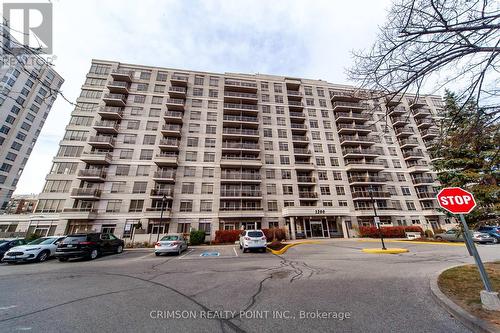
[(475, 254), (377, 220), (161, 216)]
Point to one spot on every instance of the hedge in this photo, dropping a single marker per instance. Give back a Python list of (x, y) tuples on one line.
[(197, 237), (388, 232), (279, 233), (227, 236)]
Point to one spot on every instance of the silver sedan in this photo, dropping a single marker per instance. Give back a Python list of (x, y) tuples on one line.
[(171, 243)]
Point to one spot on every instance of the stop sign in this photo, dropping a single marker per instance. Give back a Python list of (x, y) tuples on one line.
[(456, 200)]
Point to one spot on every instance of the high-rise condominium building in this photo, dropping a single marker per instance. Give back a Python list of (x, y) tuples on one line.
[(231, 151), (27, 91)]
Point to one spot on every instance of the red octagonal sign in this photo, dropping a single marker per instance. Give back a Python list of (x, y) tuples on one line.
[(456, 200)]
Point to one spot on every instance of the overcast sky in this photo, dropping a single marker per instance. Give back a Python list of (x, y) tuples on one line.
[(311, 39)]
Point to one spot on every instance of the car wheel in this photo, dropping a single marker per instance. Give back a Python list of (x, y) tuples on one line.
[(42, 256), (157, 254), (241, 246), (495, 241), (93, 254), (63, 259), (119, 249), (179, 251), (244, 250), (439, 238)]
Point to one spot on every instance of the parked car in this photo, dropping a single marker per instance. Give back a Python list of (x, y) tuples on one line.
[(493, 231), (253, 239), (88, 245), (454, 235), (38, 250), (171, 243), (7, 244)]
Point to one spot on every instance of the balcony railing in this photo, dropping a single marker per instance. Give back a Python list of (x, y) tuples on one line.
[(411, 141), (111, 112), (299, 138), (306, 179), (298, 126), (371, 179), (236, 83), (102, 139), (174, 114), (175, 101), (85, 192), (347, 105), (164, 174), (169, 142), (426, 195), (240, 157), (241, 118), (355, 115), (97, 156), (240, 131), (355, 127), (242, 208), (239, 145), (240, 193), (156, 192), (423, 180), (295, 103), (240, 95), (170, 127), (421, 122), (356, 138), (358, 162), (303, 151), (92, 173), (375, 194), (241, 106), (242, 176), (408, 130), (120, 97), (297, 114), (413, 154), (308, 195), (181, 90), (360, 151)]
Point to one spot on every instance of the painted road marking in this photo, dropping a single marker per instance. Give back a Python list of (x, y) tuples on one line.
[(235, 252), (185, 254), (8, 307), (210, 254)]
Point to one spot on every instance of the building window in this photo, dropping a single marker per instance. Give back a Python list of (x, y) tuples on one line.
[(325, 190), (205, 205), (186, 206), (272, 206), (187, 188), (207, 188), (136, 205), (340, 190), (208, 173), (113, 206), (139, 187)]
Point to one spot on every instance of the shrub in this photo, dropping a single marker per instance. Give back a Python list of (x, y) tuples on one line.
[(278, 233), (440, 231), (227, 236), (31, 237), (429, 233), (197, 237), (388, 232)]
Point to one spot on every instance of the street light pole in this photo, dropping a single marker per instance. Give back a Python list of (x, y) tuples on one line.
[(163, 201), (376, 218)]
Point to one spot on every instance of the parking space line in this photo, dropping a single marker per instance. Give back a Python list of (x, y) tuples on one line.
[(235, 252), (8, 307), (185, 254)]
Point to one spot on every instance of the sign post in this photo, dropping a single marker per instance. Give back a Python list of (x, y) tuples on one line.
[(458, 201)]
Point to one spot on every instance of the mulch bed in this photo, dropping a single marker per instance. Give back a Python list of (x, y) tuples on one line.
[(276, 245)]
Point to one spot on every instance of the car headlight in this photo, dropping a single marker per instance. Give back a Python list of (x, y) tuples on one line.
[(33, 249)]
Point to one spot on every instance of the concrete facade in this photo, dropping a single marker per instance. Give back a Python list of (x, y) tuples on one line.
[(231, 151)]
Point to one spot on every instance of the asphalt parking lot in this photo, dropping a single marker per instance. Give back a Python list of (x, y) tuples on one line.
[(331, 286)]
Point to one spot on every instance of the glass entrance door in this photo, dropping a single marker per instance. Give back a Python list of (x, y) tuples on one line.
[(316, 229)]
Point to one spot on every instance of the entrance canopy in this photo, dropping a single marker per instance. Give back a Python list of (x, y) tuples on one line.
[(311, 211)]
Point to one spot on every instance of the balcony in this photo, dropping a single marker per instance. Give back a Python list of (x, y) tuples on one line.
[(363, 180), (240, 97), (252, 122), (177, 92), (300, 138), (429, 134), (423, 180), (175, 104), (421, 113), (166, 159), (120, 87), (349, 117), (240, 146), (424, 123), (295, 106), (240, 161), (179, 80), (85, 193), (91, 175), (240, 193), (240, 132), (160, 192), (241, 107), (301, 151), (416, 103), (396, 111), (102, 142), (364, 165), (430, 143), (403, 132), (408, 143), (413, 155), (346, 106), (240, 85), (111, 112), (171, 130), (294, 95), (308, 195), (417, 166), (306, 179), (399, 121), (106, 127), (297, 116), (174, 117), (366, 195), (353, 128), (251, 177), (426, 195), (236, 208), (122, 75), (356, 140), (345, 96), (304, 165), (79, 213), (169, 144), (115, 99), (356, 152), (164, 176), (97, 157)]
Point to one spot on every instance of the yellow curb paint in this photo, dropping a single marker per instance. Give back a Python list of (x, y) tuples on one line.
[(283, 250), (388, 251), (411, 242)]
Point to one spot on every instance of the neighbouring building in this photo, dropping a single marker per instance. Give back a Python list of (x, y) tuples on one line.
[(231, 151), (22, 204), (27, 92)]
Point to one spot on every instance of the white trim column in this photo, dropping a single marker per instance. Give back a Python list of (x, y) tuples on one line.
[(292, 228)]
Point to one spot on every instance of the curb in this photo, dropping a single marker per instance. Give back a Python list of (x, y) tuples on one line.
[(283, 250), (412, 242), (387, 251), (472, 322)]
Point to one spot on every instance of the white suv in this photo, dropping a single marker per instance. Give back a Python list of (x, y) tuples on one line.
[(253, 239)]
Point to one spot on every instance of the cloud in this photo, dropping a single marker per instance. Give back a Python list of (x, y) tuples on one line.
[(311, 39)]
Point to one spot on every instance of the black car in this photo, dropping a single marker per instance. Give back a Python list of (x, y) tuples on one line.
[(7, 244), (493, 231), (88, 245)]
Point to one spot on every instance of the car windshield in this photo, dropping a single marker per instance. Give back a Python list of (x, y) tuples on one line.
[(170, 238), (255, 234), (43, 240), (74, 239), (2, 242)]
